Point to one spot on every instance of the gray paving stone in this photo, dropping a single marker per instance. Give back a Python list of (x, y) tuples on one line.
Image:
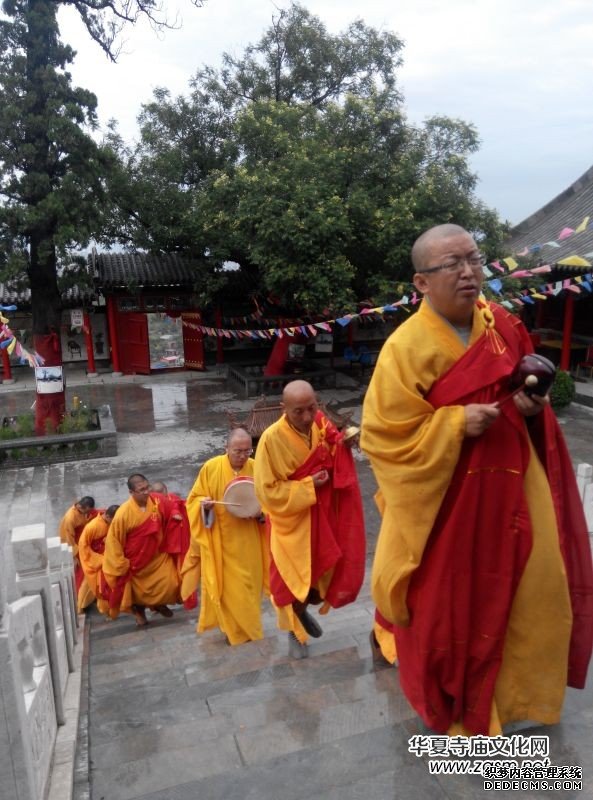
[(164, 769), (314, 772)]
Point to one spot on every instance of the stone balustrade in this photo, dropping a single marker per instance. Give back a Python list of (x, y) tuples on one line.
[(38, 638)]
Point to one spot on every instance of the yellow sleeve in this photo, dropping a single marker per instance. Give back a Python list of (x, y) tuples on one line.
[(90, 561), (204, 486), (277, 493), (413, 450), (67, 532), (114, 561)]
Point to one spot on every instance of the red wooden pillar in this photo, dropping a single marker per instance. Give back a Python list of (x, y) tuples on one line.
[(113, 343), (88, 340), (219, 347), (567, 331), (7, 378)]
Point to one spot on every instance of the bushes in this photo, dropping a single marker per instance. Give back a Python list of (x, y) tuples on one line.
[(563, 390)]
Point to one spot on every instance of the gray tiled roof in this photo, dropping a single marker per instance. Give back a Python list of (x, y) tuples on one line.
[(113, 270), (567, 210), (11, 295)]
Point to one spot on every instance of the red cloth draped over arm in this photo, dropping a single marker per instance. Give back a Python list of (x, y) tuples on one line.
[(337, 523)]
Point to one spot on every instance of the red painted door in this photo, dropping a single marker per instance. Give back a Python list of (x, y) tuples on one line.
[(133, 344), (193, 341)]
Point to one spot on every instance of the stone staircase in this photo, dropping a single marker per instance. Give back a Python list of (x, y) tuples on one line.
[(173, 715)]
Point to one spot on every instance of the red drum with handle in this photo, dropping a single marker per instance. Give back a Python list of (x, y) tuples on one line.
[(239, 498)]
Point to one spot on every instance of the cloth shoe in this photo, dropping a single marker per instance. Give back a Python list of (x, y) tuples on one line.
[(308, 622), (295, 648), (163, 610)]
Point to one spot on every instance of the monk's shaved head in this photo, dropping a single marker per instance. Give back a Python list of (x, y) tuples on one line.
[(426, 240), (239, 447), (297, 391), (238, 437), (300, 405), (159, 486)]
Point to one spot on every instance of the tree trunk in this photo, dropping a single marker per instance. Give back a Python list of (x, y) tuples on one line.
[(47, 318), (41, 39)]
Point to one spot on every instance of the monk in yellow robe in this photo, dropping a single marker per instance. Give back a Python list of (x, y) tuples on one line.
[(91, 547), (136, 574), (483, 563), (70, 528), (306, 482), (229, 552)]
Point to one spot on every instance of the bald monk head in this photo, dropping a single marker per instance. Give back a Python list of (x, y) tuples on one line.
[(160, 487), (449, 272), (299, 403), (239, 446)]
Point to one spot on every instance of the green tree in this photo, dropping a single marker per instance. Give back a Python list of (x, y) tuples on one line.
[(296, 160), (52, 172)]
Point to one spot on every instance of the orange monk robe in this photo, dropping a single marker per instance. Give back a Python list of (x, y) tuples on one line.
[(91, 546), (157, 583), (233, 555), (71, 526), (290, 501), (414, 450)]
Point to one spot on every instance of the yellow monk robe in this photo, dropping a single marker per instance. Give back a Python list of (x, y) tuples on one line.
[(414, 450), (232, 557), (91, 547), (316, 536), (156, 583)]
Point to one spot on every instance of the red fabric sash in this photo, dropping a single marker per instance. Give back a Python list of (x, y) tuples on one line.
[(176, 535), (140, 548), (460, 596), (337, 523)]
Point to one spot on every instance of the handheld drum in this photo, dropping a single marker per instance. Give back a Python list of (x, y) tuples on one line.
[(239, 498)]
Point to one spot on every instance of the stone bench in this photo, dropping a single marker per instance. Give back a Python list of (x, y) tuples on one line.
[(253, 382)]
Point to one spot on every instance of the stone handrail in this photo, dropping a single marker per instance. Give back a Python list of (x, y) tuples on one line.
[(39, 632)]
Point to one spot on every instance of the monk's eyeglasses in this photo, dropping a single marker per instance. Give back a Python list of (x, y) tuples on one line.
[(242, 452), (142, 489), (455, 265)]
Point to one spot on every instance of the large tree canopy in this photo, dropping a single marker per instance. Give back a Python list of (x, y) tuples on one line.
[(297, 161)]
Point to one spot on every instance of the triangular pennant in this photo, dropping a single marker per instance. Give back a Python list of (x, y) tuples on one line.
[(574, 261), (583, 226)]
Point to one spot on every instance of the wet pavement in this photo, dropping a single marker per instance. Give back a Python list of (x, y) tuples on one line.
[(170, 716)]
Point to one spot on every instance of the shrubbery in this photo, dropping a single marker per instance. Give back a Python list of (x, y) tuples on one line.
[(563, 390)]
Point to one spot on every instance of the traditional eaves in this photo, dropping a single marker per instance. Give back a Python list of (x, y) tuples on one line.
[(568, 210), (122, 270)]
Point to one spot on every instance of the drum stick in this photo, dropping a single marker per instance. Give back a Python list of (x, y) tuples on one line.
[(530, 381), (223, 502)]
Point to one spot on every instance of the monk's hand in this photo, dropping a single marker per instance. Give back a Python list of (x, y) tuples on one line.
[(320, 478), (530, 406), (479, 417), (207, 503)]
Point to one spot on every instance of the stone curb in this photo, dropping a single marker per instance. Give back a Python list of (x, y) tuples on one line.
[(64, 758)]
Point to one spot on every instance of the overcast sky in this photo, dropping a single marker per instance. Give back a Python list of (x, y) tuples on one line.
[(520, 70)]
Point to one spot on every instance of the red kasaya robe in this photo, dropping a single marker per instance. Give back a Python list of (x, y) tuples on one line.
[(336, 523), (461, 595)]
